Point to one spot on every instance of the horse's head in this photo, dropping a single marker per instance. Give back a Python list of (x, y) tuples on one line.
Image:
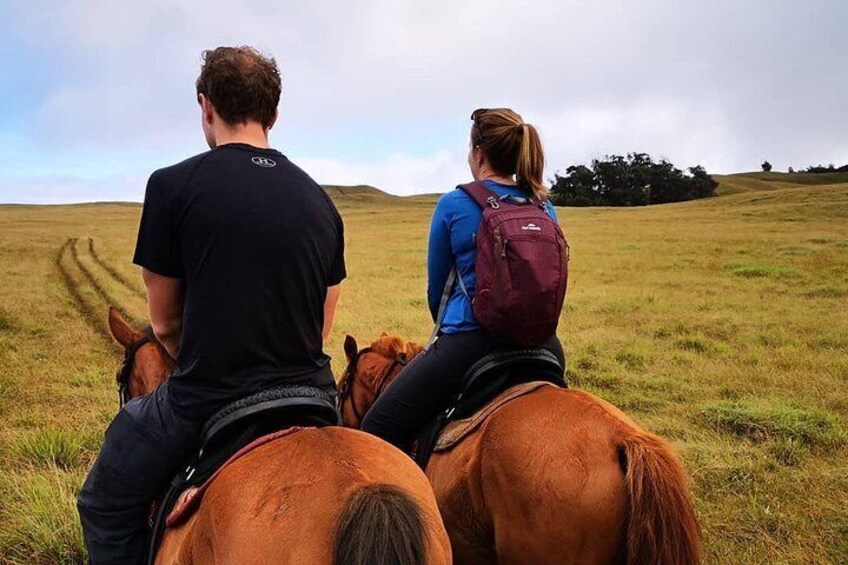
[(369, 372), (146, 363)]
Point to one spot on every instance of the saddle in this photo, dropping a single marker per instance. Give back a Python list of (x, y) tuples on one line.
[(230, 433), (458, 429), (491, 382)]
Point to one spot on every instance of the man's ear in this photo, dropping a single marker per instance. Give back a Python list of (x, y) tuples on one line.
[(350, 348), (206, 107), (274, 120)]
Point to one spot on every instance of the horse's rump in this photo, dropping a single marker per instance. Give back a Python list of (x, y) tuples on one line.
[(319, 496), (561, 468)]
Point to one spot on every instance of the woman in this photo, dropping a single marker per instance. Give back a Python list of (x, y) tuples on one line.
[(506, 155)]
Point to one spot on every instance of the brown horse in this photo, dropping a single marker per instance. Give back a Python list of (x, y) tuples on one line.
[(554, 476), (327, 495)]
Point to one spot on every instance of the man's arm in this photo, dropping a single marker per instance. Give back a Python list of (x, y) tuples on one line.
[(165, 308), (330, 304)]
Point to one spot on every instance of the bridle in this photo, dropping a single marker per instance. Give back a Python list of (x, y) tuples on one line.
[(345, 391), (125, 370)]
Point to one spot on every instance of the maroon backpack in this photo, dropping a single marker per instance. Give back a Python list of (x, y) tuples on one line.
[(522, 267)]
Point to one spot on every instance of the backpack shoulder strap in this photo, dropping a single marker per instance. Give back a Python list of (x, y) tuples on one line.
[(443, 304), (481, 194)]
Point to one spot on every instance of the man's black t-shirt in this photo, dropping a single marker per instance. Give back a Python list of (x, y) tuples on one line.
[(256, 242)]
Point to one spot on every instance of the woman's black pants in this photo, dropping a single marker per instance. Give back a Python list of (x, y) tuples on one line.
[(425, 387)]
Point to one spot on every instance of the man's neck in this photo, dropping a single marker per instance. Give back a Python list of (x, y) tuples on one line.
[(251, 133)]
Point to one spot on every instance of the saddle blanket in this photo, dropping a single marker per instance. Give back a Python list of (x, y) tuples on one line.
[(458, 430), (190, 498)]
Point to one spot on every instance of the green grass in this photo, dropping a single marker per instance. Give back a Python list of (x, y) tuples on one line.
[(754, 271), (761, 420), (827, 291), (62, 449), (718, 324), (788, 451), (633, 359), (45, 529)]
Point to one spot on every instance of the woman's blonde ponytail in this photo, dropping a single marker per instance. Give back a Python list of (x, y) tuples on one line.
[(531, 161)]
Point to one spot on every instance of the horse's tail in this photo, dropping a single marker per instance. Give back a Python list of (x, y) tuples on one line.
[(380, 524), (662, 526)]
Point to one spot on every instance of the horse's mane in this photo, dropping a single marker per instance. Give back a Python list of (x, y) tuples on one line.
[(148, 332), (391, 346)]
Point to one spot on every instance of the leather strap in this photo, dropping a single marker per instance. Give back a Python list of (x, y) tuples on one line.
[(481, 194), (443, 303), (484, 196)]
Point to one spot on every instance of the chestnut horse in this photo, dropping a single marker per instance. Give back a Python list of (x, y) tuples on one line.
[(554, 476), (326, 495)]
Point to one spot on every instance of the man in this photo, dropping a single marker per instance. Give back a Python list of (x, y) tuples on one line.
[(242, 254)]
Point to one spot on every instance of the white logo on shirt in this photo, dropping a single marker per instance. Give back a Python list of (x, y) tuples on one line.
[(263, 162), (531, 227)]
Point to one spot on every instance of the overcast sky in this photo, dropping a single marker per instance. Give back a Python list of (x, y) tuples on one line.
[(96, 95)]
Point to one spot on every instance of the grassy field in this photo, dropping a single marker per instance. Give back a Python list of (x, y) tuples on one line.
[(720, 324)]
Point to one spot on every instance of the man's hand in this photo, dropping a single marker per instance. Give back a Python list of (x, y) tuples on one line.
[(330, 304), (165, 308)]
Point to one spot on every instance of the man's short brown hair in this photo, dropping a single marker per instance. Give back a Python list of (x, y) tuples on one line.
[(242, 84)]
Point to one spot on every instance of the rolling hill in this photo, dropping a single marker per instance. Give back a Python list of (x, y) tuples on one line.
[(736, 183), (359, 192), (760, 181)]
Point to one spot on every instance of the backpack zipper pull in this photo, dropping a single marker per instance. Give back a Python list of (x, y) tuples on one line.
[(503, 248)]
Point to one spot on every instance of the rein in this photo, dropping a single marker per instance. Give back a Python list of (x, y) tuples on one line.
[(125, 370), (345, 391)]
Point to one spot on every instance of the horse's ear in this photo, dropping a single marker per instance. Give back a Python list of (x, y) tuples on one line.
[(121, 330), (350, 348)]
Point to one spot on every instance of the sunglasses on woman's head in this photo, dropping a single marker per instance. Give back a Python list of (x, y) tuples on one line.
[(476, 114), (479, 112)]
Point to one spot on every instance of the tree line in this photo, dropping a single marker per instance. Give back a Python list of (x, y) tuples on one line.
[(631, 180), (816, 169), (813, 169)]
